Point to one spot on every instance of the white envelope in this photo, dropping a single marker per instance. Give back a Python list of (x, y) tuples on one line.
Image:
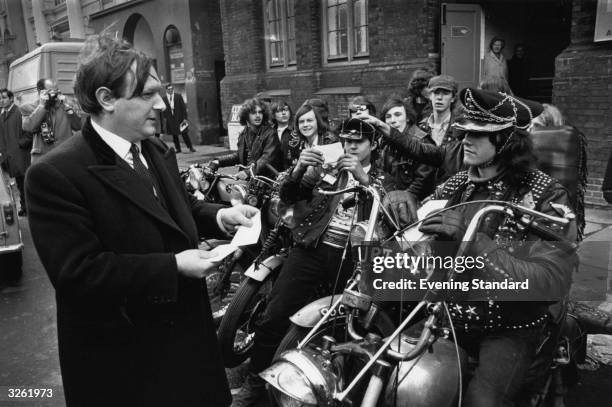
[(331, 152), (244, 236)]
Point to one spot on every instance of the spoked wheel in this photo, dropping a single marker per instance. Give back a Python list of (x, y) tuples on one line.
[(222, 290), (237, 330)]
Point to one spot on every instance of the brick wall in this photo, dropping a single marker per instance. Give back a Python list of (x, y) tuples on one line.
[(582, 89), (402, 37)]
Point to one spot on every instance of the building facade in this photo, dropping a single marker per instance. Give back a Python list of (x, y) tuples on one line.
[(337, 49), (13, 41), (182, 36)]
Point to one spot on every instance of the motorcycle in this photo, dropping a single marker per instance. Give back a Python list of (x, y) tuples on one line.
[(349, 351), (208, 184), (236, 330)]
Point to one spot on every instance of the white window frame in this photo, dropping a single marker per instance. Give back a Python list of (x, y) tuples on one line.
[(287, 64), (351, 57)]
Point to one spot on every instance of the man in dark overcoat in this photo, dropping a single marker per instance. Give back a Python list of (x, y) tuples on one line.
[(118, 234), (175, 115), (14, 143)]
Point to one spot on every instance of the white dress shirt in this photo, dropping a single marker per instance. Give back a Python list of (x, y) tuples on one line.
[(119, 145)]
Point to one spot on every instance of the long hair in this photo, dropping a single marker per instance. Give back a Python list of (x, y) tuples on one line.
[(249, 106), (321, 107), (550, 116), (419, 80), (515, 153), (305, 108)]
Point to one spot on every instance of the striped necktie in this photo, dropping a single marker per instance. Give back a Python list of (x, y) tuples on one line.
[(141, 169)]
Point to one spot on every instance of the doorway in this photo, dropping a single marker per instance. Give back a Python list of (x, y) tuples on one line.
[(542, 26)]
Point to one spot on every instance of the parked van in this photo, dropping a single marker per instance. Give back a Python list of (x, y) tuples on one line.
[(55, 60)]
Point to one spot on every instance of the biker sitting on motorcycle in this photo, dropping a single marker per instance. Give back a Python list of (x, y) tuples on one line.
[(321, 235), (257, 143), (498, 155)]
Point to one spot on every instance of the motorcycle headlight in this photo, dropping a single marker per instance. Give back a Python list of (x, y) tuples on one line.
[(298, 376), (252, 200), (238, 194), (204, 184), (195, 176)]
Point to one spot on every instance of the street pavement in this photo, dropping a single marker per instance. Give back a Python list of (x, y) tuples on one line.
[(28, 334)]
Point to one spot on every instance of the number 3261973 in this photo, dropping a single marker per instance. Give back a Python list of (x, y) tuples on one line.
[(29, 393)]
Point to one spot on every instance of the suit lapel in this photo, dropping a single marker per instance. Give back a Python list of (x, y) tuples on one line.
[(163, 162), (118, 175)]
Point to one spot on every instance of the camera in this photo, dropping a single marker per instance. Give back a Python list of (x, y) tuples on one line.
[(46, 133)]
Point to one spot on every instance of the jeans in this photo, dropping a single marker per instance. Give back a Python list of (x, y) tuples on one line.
[(298, 283), (503, 363)]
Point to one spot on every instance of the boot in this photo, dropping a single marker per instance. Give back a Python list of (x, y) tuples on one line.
[(253, 391)]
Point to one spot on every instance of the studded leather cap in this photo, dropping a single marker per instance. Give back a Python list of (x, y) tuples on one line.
[(356, 129), (494, 111)]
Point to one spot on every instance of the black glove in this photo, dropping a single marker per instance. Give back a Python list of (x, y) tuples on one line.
[(448, 225), (402, 205)]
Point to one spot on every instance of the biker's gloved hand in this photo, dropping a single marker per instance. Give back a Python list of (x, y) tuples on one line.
[(402, 205), (448, 225)]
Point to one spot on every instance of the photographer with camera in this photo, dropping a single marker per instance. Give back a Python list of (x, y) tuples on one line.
[(51, 120)]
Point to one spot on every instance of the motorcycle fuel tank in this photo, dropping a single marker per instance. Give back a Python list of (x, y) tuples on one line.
[(432, 379)]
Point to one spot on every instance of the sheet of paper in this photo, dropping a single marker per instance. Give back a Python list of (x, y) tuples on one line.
[(414, 234), (430, 207), (244, 236), (222, 251), (247, 236), (331, 152)]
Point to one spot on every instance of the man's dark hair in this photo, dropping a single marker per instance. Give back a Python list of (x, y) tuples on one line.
[(249, 106), (276, 106), (169, 86), (396, 101), (105, 62), (305, 108), (40, 84), (8, 92)]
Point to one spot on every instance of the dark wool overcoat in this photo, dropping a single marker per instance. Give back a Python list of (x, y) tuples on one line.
[(132, 332), (14, 143)]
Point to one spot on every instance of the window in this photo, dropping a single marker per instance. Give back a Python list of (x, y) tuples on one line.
[(345, 30), (175, 64), (280, 32)]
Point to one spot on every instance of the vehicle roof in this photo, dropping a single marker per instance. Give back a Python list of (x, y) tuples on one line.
[(50, 47)]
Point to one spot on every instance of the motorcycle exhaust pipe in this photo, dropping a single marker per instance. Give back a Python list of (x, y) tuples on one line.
[(380, 374)]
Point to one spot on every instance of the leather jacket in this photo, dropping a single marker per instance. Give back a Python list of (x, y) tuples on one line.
[(259, 146), (447, 157), (296, 143), (313, 211), (408, 173), (512, 254)]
